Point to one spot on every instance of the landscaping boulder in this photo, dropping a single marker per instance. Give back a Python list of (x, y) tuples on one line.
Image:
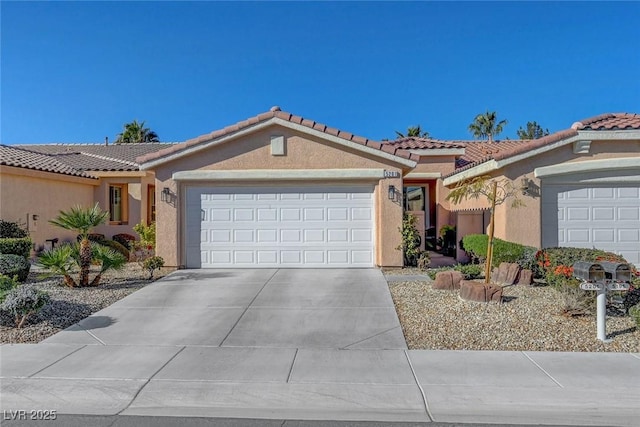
[(471, 290), (448, 280), (525, 277), (506, 274)]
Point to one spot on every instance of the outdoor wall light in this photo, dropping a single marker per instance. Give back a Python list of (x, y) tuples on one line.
[(392, 192), (165, 195), (35, 217), (524, 186)]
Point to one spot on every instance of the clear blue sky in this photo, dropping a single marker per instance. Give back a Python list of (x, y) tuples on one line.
[(77, 71)]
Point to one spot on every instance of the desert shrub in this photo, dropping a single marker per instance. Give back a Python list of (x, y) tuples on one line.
[(576, 302), (470, 271), (16, 246), (14, 265), (7, 284), (147, 234), (634, 312), (424, 259), (411, 240), (94, 237), (153, 263), (24, 301), (125, 240), (503, 251), (117, 246), (12, 230)]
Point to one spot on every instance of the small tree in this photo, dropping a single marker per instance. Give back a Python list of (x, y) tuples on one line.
[(532, 131), (496, 192), (411, 239), (83, 221)]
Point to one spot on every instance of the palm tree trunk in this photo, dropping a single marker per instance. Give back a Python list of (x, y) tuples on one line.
[(68, 280), (85, 261), (96, 280)]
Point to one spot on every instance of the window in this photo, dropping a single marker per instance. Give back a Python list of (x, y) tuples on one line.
[(151, 204), (118, 203), (414, 199)]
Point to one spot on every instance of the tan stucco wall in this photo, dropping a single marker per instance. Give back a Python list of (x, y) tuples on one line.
[(24, 193), (136, 202), (253, 151), (523, 225)]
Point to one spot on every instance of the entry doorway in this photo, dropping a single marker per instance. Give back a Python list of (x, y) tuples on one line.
[(416, 203)]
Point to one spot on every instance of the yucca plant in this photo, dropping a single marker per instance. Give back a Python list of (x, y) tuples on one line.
[(83, 221)]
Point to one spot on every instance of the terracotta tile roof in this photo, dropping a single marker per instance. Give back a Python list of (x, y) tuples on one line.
[(23, 158), (609, 121), (98, 157), (275, 112), (415, 143)]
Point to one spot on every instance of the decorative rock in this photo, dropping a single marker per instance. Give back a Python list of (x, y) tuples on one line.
[(525, 277), (480, 292), (506, 274), (448, 280)]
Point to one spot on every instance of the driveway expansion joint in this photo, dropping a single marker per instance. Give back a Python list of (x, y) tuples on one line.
[(422, 393), (542, 369), (53, 363)]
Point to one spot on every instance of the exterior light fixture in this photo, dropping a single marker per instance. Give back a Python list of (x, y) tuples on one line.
[(524, 186), (165, 195), (392, 192)]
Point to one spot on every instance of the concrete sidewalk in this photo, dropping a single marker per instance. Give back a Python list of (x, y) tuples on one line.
[(195, 345)]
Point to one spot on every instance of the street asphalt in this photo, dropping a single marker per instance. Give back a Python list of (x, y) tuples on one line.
[(293, 348)]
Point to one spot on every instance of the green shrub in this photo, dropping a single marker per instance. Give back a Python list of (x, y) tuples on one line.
[(503, 251), (7, 284), (12, 230), (147, 234), (116, 246), (125, 239), (411, 240), (23, 302), (153, 263), (17, 246), (14, 265), (634, 312), (470, 271)]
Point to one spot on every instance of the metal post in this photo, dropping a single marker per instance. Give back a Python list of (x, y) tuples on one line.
[(602, 313)]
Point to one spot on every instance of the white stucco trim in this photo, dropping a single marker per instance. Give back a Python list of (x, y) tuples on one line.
[(285, 123), (423, 175), (279, 174), (610, 135), (492, 165), (587, 166), (432, 152)]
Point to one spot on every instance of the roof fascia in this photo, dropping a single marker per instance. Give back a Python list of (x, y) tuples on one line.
[(588, 166), (123, 174), (48, 175), (492, 165), (279, 174), (615, 135)]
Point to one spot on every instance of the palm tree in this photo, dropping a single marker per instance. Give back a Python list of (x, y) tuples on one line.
[(82, 220), (487, 126), (533, 131), (135, 132), (415, 131)]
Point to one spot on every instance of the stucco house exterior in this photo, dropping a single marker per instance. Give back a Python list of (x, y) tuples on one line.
[(280, 190)]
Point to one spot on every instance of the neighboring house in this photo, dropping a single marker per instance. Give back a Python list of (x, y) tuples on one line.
[(38, 181), (278, 190)]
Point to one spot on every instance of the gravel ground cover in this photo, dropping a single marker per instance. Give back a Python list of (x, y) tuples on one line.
[(529, 320), (69, 306)]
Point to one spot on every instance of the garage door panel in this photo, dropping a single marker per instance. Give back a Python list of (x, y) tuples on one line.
[(310, 227), (599, 216)]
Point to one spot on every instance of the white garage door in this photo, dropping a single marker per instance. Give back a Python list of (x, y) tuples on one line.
[(297, 227), (604, 217)]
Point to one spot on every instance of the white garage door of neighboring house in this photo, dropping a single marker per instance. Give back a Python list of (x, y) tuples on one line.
[(295, 227), (602, 217)]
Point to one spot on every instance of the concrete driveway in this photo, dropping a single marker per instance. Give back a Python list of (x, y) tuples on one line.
[(335, 308)]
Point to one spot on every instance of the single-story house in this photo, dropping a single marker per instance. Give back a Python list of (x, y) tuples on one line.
[(279, 190)]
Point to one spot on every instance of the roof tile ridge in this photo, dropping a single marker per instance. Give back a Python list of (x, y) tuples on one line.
[(65, 169), (113, 159)]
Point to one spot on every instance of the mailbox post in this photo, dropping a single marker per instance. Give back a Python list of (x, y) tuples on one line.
[(600, 278)]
